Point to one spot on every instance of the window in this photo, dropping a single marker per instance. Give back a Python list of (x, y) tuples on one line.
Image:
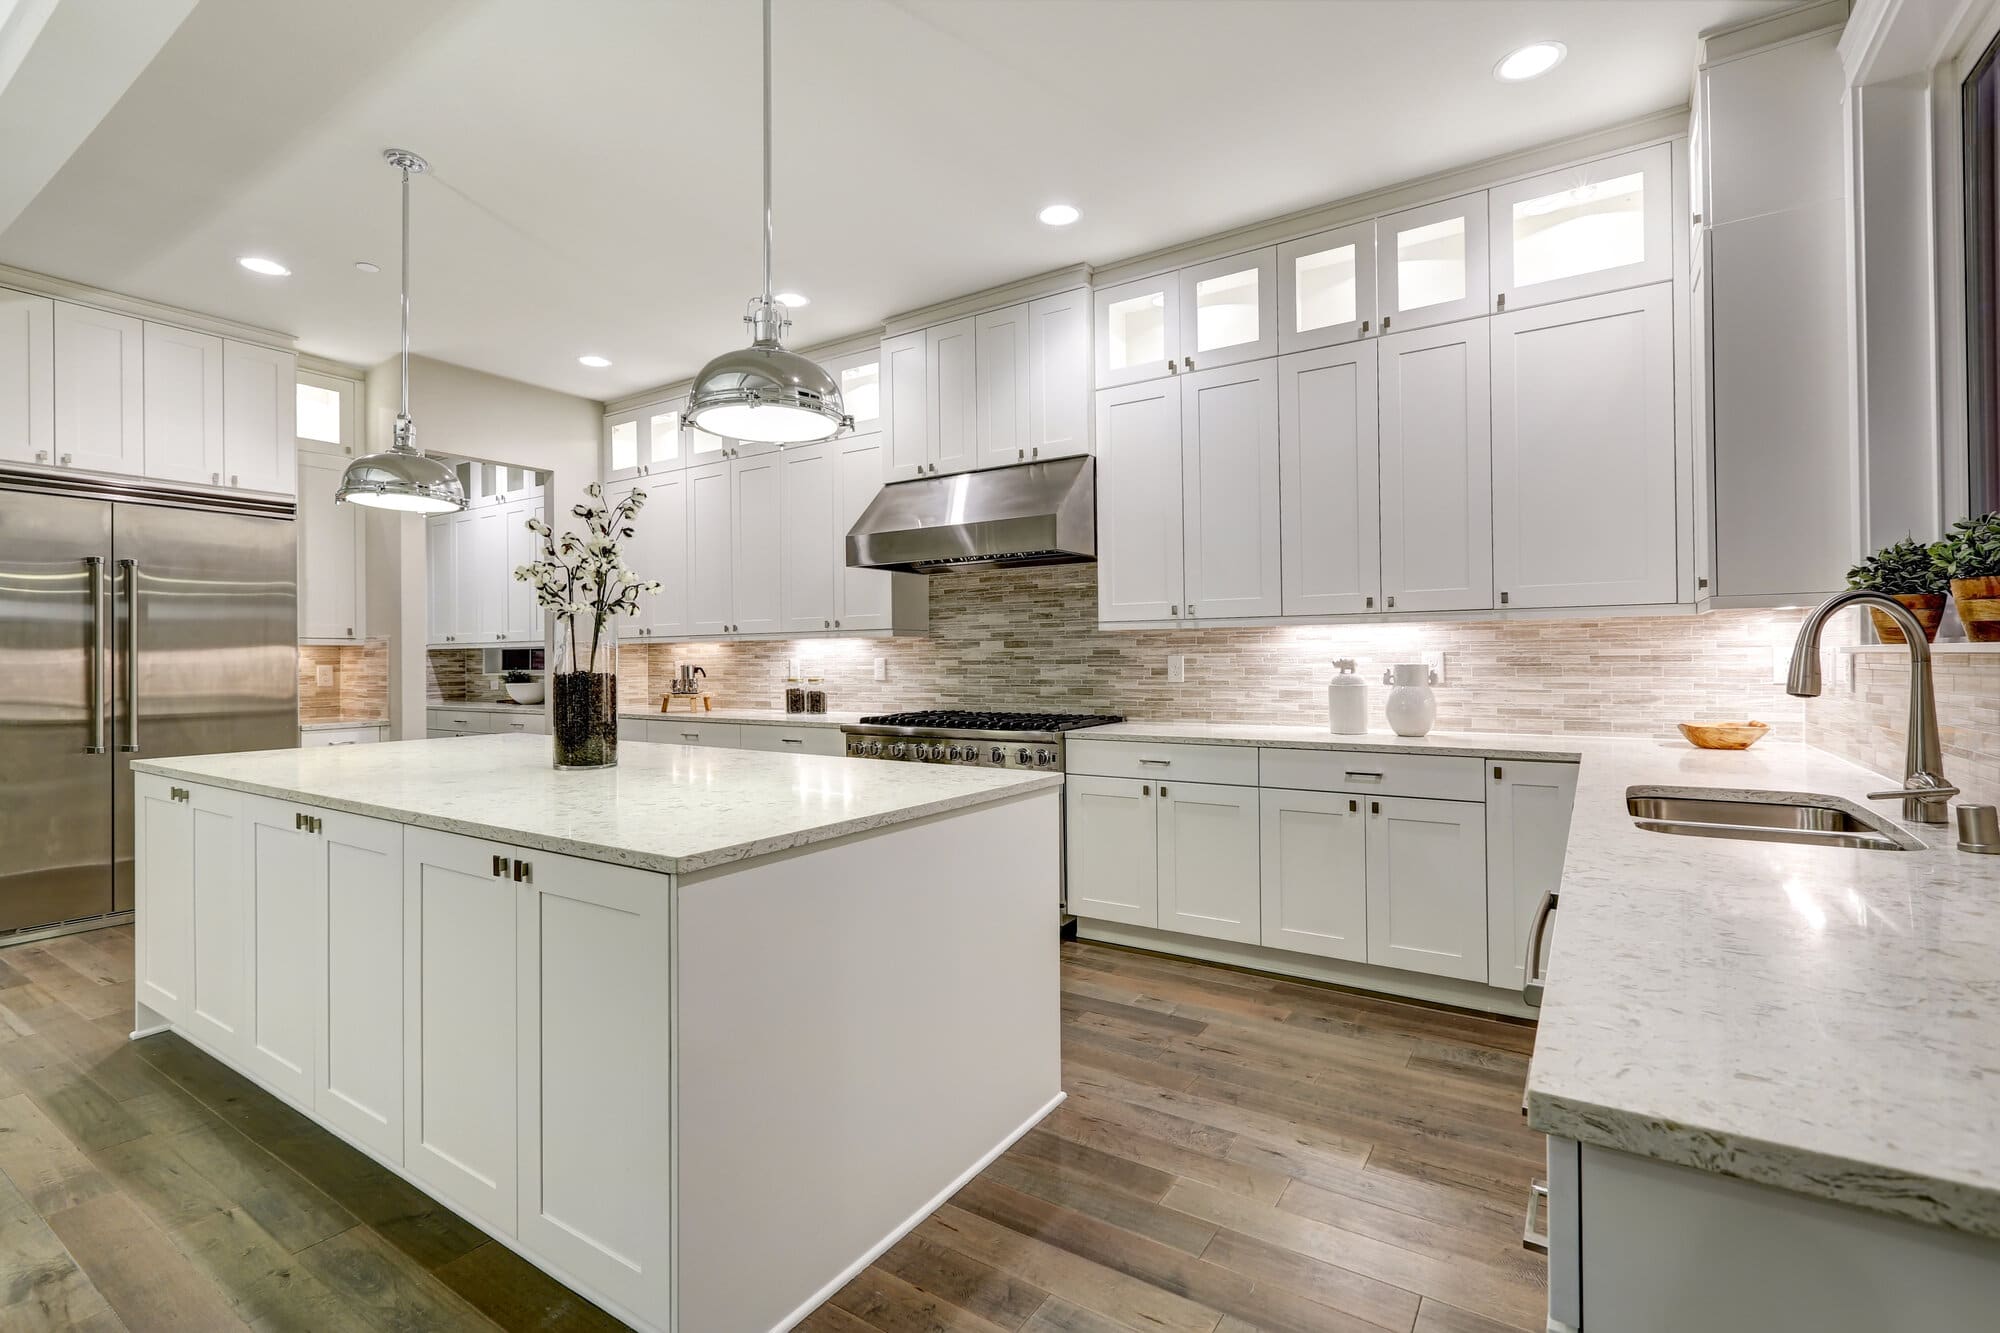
[(1982, 278), (328, 412)]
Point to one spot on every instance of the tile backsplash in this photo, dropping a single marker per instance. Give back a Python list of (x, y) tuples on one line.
[(1865, 721), (360, 688)]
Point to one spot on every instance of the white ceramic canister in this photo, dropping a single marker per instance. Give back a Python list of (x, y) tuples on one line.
[(1347, 700), (1412, 705)]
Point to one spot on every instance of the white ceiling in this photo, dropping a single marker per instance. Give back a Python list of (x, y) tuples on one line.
[(596, 161)]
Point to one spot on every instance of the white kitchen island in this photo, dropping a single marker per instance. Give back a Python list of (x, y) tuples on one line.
[(699, 1035)]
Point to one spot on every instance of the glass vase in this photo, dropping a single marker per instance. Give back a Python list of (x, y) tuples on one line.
[(584, 706)]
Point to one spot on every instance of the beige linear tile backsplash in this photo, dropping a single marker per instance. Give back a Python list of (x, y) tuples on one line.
[(1865, 721), (360, 689)]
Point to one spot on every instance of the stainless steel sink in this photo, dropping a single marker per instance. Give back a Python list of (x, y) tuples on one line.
[(1796, 817)]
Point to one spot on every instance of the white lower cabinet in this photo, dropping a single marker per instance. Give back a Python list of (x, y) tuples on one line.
[(460, 1028), (594, 1092), (281, 861), (1528, 809), (163, 952), (359, 1085), (1208, 860), (1427, 886), (1315, 873), (1111, 833), (189, 960)]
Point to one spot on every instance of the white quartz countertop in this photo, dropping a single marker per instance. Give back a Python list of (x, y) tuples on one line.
[(759, 716), (1821, 1019), (675, 809)]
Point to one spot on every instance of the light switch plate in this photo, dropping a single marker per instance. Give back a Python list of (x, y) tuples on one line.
[(1176, 669), (881, 668), (1435, 661), (324, 677)]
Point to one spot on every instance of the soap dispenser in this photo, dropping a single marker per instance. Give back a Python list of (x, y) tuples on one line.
[(1347, 700)]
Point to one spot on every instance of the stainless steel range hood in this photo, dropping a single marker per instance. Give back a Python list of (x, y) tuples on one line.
[(1030, 514)]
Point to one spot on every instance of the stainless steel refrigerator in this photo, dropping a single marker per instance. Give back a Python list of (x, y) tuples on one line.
[(134, 623)]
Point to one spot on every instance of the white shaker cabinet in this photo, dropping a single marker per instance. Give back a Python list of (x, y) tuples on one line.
[(1228, 311), (1585, 508), (1326, 288), (806, 482), (100, 390), (189, 961), (1138, 330), (1330, 520), (522, 622), (1208, 860), (1229, 491), (658, 550), (440, 579), (1528, 807), (952, 395), (758, 530), (905, 399), (1139, 575), (27, 378), (1112, 842), (282, 863), (183, 405), (1314, 865), (1427, 886), (859, 375), (1597, 227), (1001, 357), (1058, 375), (1430, 263), (711, 548), (868, 599), (359, 1065), (331, 548), (461, 958), (621, 455), (259, 408), (1435, 427), (163, 945)]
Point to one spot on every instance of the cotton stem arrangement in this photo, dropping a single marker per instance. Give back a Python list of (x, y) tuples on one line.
[(584, 579)]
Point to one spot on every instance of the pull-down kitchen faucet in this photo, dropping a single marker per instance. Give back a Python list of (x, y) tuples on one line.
[(1925, 793)]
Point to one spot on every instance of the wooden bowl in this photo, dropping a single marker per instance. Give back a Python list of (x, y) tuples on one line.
[(1723, 735)]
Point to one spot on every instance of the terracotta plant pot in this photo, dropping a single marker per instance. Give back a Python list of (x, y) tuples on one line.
[(1978, 607), (1927, 607)]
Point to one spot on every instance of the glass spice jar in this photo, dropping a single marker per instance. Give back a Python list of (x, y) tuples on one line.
[(795, 695), (815, 695)]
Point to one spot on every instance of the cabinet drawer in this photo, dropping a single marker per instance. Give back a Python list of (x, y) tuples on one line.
[(526, 723), (1230, 765), (1431, 776), (460, 720), (677, 732), (340, 736), (794, 740)]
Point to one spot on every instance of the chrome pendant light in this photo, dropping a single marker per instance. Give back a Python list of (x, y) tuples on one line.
[(763, 393), (403, 478)]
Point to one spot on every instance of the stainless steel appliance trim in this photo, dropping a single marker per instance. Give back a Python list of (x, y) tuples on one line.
[(98, 597), (131, 574), (955, 733), (1533, 1237), (1026, 513), (133, 490), (1536, 981)]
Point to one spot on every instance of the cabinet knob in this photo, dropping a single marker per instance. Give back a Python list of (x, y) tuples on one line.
[(1172, 369), (1503, 599), (215, 478), (1371, 603), (232, 479), (1364, 326), (1188, 361), (65, 460), (1392, 601), (1174, 610), (499, 866), (1500, 301), (826, 624), (1385, 323), (1020, 453)]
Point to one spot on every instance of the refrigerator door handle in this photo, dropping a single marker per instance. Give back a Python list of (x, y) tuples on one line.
[(94, 570), (131, 572)]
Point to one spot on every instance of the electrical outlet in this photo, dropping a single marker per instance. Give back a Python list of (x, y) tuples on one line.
[(1781, 663), (1176, 669), (881, 668), (1435, 661), (324, 677)]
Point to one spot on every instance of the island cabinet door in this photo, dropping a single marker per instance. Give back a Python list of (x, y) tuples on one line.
[(281, 861), (163, 849), (460, 955), (1112, 838), (219, 998), (595, 956), (1315, 873), (360, 1087)]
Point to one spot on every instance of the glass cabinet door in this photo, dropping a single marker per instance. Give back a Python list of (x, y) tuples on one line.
[(1326, 288), (1600, 227), (1227, 311), (665, 449), (621, 445), (859, 375), (1138, 330), (1430, 263)]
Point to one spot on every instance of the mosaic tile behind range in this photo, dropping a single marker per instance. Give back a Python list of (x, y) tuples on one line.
[(360, 689)]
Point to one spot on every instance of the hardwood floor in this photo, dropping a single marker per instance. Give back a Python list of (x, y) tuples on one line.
[(1237, 1153)]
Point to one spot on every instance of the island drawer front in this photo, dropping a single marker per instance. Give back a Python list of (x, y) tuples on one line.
[(339, 736), (1432, 777), (456, 719), (1228, 765), (678, 732), (794, 740)]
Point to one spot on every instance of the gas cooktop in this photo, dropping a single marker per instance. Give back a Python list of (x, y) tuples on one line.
[(964, 719), (986, 739)]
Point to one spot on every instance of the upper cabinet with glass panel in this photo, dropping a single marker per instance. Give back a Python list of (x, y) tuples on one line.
[(1430, 263), (1227, 314), (643, 440), (860, 377), (1599, 227), (1138, 330), (327, 415), (1326, 288)]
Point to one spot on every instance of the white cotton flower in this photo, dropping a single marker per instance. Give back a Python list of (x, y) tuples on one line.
[(594, 489)]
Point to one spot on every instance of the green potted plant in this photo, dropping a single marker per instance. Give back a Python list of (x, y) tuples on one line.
[(523, 687), (1911, 572), (1970, 555)]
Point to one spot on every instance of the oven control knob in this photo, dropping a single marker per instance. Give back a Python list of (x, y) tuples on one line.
[(997, 755), (954, 754), (874, 749), (1021, 756), (927, 752), (896, 751), (1043, 758)]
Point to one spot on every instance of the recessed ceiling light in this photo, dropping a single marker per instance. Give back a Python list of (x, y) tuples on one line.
[(367, 267), (594, 362), (270, 268), (792, 300), (1059, 215), (1530, 61)]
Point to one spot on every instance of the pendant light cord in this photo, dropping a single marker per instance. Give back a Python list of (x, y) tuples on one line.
[(767, 153), (406, 292)]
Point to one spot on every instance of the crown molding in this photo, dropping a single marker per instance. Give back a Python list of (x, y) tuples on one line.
[(76, 293), (990, 298)]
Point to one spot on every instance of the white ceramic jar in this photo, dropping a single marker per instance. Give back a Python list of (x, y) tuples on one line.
[(1347, 700), (1412, 705)]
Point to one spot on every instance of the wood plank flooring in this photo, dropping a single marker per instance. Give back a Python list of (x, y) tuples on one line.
[(1237, 1153)]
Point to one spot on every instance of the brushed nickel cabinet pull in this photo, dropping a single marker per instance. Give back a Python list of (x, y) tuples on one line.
[(524, 872), (499, 865)]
